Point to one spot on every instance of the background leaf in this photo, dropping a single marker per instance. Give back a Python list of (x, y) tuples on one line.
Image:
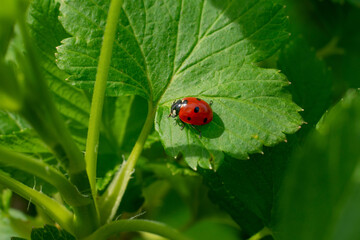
[(320, 200), (47, 32), (50, 233), (328, 28), (248, 190), (16, 223)]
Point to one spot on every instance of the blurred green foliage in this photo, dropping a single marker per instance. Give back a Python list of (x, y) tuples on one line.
[(305, 187)]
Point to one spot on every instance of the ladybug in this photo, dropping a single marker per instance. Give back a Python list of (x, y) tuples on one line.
[(193, 111)]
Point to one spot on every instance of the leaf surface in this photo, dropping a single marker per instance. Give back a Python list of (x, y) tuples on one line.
[(50, 233), (248, 190), (166, 50), (320, 199), (47, 32)]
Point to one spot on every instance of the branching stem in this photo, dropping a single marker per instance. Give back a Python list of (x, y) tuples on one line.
[(261, 234), (111, 199), (40, 169), (55, 210), (136, 225)]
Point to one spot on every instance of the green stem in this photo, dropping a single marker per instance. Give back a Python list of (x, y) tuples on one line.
[(40, 169), (262, 233), (331, 48), (110, 201), (56, 211), (99, 92), (137, 226)]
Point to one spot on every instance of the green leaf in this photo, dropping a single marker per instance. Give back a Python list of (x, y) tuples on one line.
[(50, 233), (5, 199), (212, 230), (328, 27), (186, 54), (16, 135), (311, 80), (248, 190), (249, 112), (10, 122), (321, 195), (116, 114), (245, 190), (47, 32), (11, 96), (16, 223), (152, 139)]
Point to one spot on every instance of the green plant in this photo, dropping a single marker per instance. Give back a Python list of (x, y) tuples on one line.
[(86, 88)]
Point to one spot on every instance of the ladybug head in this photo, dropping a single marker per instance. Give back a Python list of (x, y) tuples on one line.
[(175, 108)]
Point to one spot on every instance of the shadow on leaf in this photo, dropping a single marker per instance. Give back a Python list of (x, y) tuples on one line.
[(214, 129)]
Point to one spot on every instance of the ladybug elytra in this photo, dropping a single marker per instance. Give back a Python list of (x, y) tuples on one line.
[(193, 111)]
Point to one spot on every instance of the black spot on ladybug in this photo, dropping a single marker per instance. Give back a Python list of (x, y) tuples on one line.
[(196, 109), (205, 120), (189, 118), (198, 99)]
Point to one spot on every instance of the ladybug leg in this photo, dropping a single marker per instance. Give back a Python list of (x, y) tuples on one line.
[(198, 130), (181, 124)]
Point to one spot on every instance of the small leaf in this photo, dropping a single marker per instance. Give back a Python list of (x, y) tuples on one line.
[(10, 122), (50, 233), (16, 135), (15, 224), (320, 199)]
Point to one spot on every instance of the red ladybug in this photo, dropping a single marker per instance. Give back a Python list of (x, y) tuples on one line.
[(193, 111)]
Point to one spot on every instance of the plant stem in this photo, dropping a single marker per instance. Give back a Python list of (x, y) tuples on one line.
[(99, 92), (331, 48), (262, 233), (55, 210), (40, 169), (110, 201), (136, 225)]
